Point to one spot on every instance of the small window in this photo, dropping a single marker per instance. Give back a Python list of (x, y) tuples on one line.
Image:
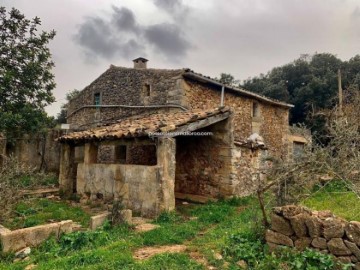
[(147, 89), (120, 154), (255, 109), (97, 99)]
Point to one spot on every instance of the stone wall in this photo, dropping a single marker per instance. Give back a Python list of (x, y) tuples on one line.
[(246, 163), (298, 227), (125, 86), (137, 186), (204, 163), (38, 150), (147, 190), (11, 241), (272, 124)]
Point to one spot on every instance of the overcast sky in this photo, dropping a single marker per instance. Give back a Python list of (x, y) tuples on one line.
[(241, 37)]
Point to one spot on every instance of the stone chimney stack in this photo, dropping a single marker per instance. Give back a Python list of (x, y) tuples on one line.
[(140, 63)]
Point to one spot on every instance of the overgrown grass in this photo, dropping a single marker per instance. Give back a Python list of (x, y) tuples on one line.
[(231, 228), (34, 212), (336, 197)]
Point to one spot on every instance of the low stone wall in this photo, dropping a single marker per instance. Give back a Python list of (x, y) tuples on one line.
[(137, 186), (298, 227), (38, 151), (33, 236)]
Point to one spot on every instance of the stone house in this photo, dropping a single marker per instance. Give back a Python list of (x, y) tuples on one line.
[(131, 138)]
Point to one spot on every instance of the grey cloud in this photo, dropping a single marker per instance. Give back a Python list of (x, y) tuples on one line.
[(121, 35), (168, 5), (175, 8), (124, 19), (100, 39), (168, 39), (95, 36)]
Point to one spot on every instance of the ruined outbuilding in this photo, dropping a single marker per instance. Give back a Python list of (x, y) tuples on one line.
[(132, 141)]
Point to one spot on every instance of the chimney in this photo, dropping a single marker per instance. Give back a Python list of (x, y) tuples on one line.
[(140, 62)]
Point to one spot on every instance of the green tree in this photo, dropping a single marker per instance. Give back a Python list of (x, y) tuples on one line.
[(61, 116), (310, 83), (226, 78), (26, 79)]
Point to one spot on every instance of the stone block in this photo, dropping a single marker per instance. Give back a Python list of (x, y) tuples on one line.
[(354, 259), (289, 211), (314, 226), (298, 224), (98, 220), (333, 228), (353, 248), (33, 236), (281, 225), (302, 243), (337, 247), (344, 259), (4, 230), (319, 242), (126, 215), (323, 214), (352, 231), (278, 238), (272, 247)]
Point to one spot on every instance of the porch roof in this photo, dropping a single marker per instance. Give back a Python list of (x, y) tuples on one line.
[(143, 126)]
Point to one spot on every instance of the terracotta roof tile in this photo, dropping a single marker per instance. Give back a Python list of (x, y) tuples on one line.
[(141, 125)]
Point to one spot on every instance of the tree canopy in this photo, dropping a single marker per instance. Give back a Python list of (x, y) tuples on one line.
[(26, 79), (309, 82), (61, 116)]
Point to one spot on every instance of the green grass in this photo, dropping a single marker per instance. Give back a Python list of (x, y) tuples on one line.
[(38, 179), (336, 198), (231, 228), (34, 212)]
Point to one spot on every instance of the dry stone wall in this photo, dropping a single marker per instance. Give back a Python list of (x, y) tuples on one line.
[(298, 227)]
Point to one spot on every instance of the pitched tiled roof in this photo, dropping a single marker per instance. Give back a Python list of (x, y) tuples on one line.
[(141, 126)]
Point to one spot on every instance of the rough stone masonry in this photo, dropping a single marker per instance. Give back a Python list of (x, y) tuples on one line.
[(296, 226)]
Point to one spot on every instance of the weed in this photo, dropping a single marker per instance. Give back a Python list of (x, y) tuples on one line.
[(244, 247)]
